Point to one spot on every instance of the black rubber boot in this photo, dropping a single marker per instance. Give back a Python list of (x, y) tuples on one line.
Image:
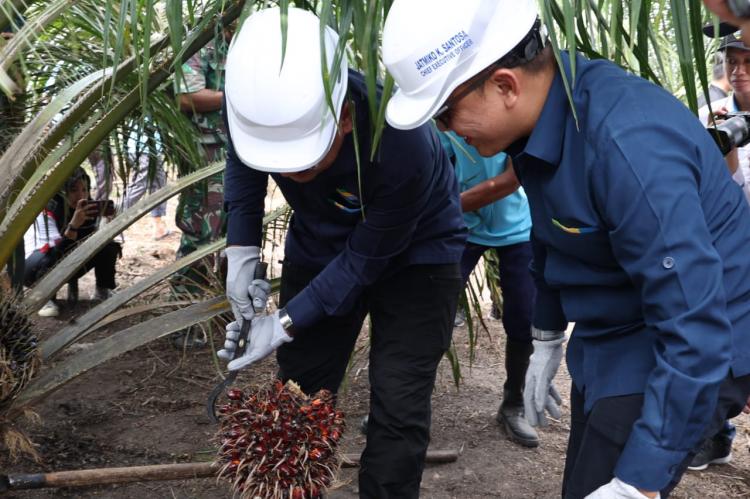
[(511, 414)]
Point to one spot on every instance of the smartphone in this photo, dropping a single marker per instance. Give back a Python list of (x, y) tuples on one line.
[(106, 207)]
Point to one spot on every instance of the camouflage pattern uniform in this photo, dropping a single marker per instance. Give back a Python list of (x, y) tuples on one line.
[(200, 212)]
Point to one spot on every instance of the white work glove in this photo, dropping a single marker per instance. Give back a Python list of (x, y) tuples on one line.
[(230, 342), (260, 288), (246, 294), (539, 394), (617, 489), (266, 335)]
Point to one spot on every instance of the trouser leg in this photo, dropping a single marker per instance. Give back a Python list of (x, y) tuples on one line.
[(138, 184), (319, 355), (412, 316), (36, 265), (518, 290), (201, 218), (597, 441), (103, 176), (159, 181), (104, 264), (577, 427), (517, 354), (200, 211), (518, 293)]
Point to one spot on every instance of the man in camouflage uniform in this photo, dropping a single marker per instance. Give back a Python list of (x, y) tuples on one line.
[(200, 212)]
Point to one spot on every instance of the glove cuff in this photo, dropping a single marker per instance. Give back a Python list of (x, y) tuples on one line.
[(545, 335), (627, 490), (242, 251)]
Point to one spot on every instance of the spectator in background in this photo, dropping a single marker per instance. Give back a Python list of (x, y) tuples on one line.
[(200, 212), (496, 212), (719, 86), (717, 449), (68, 219), (737, 69), (102, 166), (148, 176)]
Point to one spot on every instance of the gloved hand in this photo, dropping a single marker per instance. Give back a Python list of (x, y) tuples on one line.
[(230, 342), (539, 394), (241, 263), (266, 335), (258, 290), (617, 489)]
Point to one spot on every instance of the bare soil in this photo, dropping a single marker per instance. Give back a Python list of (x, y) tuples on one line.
[(148, 407)]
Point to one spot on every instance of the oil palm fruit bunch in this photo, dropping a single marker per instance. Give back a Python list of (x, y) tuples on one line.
[(277, 442), (19, 362)]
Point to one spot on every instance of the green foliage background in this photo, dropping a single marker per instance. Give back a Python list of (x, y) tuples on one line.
[(77, 73)]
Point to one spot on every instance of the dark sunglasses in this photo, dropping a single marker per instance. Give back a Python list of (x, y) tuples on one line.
[(525, 51)]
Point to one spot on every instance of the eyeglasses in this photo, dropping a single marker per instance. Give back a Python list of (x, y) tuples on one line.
[(443, 115), (525, 51)]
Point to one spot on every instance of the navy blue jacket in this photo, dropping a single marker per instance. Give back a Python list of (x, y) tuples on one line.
[(643, 240), (412, 213)]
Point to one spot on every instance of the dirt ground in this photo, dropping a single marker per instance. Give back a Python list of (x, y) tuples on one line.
[(148, 407)]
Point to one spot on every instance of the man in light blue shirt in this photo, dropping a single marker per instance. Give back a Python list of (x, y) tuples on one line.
[(496, 213)]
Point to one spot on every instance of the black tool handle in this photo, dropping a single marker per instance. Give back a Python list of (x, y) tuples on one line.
[(261, 270)]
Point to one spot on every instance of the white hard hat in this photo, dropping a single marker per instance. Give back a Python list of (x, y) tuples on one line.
[(432, 46), (278, 116)]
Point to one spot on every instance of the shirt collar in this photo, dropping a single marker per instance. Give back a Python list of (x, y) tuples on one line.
[(732, 104), (546, 139)]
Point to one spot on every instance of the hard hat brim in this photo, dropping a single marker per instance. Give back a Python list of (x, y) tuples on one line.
[(281, 156), (406, 112)]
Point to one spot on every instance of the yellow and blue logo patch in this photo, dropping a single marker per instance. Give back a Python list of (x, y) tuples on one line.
[(573, 230), (346, 201)]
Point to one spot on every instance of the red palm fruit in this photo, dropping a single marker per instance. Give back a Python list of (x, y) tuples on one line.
[(282, 440), (234, 394), (315, 454)]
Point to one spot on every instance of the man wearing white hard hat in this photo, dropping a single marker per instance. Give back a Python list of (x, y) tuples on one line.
[(640, 236), (382, 237)]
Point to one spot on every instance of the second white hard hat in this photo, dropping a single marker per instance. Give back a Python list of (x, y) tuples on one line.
[(278, 116), (432, 46)]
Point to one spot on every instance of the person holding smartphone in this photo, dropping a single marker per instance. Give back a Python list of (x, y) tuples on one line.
[(70, 217)]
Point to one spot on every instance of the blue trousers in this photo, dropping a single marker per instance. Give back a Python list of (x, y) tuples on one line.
[(515, 283)]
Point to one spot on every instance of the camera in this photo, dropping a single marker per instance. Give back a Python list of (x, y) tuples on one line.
[(106, 207), (740, 8), (734, 132)]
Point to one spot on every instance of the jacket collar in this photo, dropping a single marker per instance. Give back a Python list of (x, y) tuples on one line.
[(546, 139)]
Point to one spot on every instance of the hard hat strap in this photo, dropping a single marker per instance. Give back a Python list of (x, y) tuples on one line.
[(527, 49)]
